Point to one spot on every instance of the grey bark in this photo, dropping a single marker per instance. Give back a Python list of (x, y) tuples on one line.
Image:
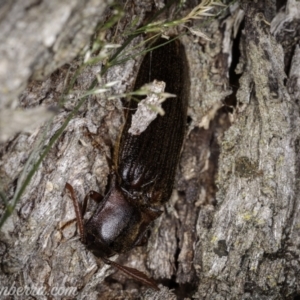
[(36, 38), (231, 227)]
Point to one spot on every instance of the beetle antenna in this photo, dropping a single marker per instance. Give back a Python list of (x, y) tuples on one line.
[(78, 211), (138, 275)]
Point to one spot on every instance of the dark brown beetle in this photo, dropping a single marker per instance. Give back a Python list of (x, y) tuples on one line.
[(144, 165)]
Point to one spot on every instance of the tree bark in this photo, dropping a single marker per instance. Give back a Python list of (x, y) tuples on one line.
[(231, 228)]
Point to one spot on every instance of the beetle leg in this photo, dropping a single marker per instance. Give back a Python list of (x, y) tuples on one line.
[(109, 161), (67, 224), (97, 144), (143, 240), (95, 196)]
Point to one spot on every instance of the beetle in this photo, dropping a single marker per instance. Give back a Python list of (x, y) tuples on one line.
[(144, 164)]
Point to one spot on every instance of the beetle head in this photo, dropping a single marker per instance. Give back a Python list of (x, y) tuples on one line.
[(118, 224)]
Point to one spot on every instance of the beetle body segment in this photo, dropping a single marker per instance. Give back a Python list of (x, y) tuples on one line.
[(145, 164), (117, 225)]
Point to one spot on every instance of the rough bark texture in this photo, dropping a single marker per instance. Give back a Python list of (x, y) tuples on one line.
[(37, 37), (231, 228)]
